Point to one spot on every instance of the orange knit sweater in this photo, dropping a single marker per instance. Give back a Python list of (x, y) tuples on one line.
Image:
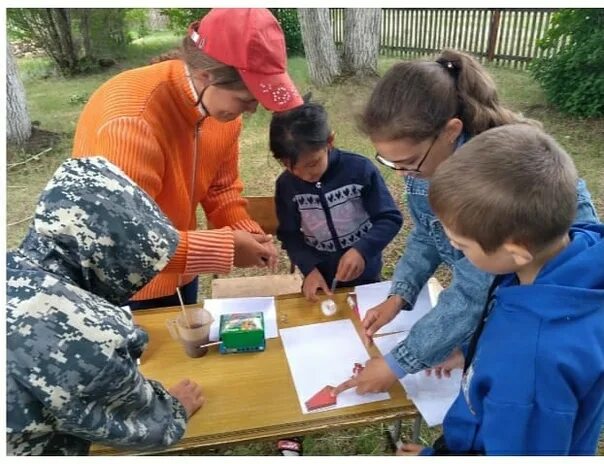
[(145, 121)]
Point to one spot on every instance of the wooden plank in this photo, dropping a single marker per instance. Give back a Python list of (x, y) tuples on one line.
[(399, 20), (515, 37), (493, 34), (485, 19)]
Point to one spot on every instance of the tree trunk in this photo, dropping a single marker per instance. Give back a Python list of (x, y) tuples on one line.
[(59, 28), (18, 124), (85, 32), (361, 41), (319, 46), (156, 20)]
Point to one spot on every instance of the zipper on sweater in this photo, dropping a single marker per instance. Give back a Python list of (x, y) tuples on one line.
[(193, 176), (332, 228)]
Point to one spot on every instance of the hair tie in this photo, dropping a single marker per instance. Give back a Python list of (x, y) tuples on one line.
[(450, 66)]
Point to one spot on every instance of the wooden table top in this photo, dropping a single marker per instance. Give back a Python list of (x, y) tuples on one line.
[(251, 396)]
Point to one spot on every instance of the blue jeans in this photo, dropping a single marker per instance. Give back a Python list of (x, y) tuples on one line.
[(188, 292)]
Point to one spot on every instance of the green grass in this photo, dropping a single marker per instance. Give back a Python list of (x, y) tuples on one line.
[(56, 102)]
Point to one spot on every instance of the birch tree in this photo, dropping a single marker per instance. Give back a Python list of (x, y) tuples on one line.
[(18, 124)]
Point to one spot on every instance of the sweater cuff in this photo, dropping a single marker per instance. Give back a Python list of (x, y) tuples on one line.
[(179, 259), (210, 251), (248, 225), (395, 367)]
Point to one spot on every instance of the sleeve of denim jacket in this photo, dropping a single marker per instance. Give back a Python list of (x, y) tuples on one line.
[(586, 212), (289, 233), (418, 262), (449, 324)]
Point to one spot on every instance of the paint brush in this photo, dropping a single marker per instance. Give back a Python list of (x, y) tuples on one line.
[(334, 283), (210, 344)]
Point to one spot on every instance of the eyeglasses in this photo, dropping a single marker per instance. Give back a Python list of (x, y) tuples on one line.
[(411, 171)]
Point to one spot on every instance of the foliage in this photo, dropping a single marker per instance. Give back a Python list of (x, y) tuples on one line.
[(75, 39), (288, 19), (571, 74), (179, 19), (137, 22)]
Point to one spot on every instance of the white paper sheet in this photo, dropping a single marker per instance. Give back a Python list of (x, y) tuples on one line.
[(324, 354), (371, 295), (265, 305), (432, 396)]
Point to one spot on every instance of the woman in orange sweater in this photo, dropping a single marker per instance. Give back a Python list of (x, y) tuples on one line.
[(174, 128)]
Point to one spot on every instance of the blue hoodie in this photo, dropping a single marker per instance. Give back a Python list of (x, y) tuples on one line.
[(350, 207), (536, 382)]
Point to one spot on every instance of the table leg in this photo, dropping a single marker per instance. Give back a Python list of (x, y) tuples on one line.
[(394, 434), (417, 425)]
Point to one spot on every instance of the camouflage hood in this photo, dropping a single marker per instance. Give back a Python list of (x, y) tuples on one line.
[(94, 227)]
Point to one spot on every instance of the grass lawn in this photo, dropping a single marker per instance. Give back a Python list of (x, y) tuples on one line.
[(56, 103)]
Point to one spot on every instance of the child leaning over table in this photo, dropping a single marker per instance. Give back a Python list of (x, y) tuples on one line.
[(533, 378), (335, 212), (71, 372)]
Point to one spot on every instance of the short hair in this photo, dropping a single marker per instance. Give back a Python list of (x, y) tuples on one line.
[(299, 131), (511, 183)]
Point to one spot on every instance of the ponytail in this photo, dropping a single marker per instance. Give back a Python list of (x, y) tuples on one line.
[(479, 107), (416, 99)]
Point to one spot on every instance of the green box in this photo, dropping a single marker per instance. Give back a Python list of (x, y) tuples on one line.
[(242, 332)]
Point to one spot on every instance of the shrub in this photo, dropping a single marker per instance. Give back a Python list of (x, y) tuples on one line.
[(179, 19), (571, 73), (288, 19)]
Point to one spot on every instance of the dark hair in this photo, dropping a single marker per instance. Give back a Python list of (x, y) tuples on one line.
[(223, 75), (415, 99), (509, 183), (298, 131)]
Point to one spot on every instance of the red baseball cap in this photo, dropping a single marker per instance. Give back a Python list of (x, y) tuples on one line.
[(250, 40)]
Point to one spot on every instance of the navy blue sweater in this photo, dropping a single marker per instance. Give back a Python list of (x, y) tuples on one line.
[(349, 207)]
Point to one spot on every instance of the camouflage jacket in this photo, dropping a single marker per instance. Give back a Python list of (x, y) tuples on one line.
[(72, 376)]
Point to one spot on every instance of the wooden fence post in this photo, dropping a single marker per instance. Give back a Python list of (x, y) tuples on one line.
[(493, 29)]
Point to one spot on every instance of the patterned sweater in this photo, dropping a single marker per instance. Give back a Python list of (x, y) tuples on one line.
[(350, 207), (145, 121)]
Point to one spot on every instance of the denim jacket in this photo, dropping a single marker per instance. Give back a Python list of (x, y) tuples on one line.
[(451, 322)]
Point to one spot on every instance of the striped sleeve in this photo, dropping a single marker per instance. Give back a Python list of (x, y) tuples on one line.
[(203, 251)]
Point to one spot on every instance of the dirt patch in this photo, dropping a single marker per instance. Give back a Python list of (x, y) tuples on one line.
[(39, 141)]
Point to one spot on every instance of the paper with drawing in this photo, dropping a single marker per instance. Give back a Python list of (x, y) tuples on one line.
[(325, 354)]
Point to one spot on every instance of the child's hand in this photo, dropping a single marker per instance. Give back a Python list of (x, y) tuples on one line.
[(454, 361), (409, 449), (189, 394), (351, 266), (312, 283), (375, 377), (379, 316)]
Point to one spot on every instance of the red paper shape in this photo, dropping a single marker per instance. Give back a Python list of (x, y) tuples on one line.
[(321, 399)]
